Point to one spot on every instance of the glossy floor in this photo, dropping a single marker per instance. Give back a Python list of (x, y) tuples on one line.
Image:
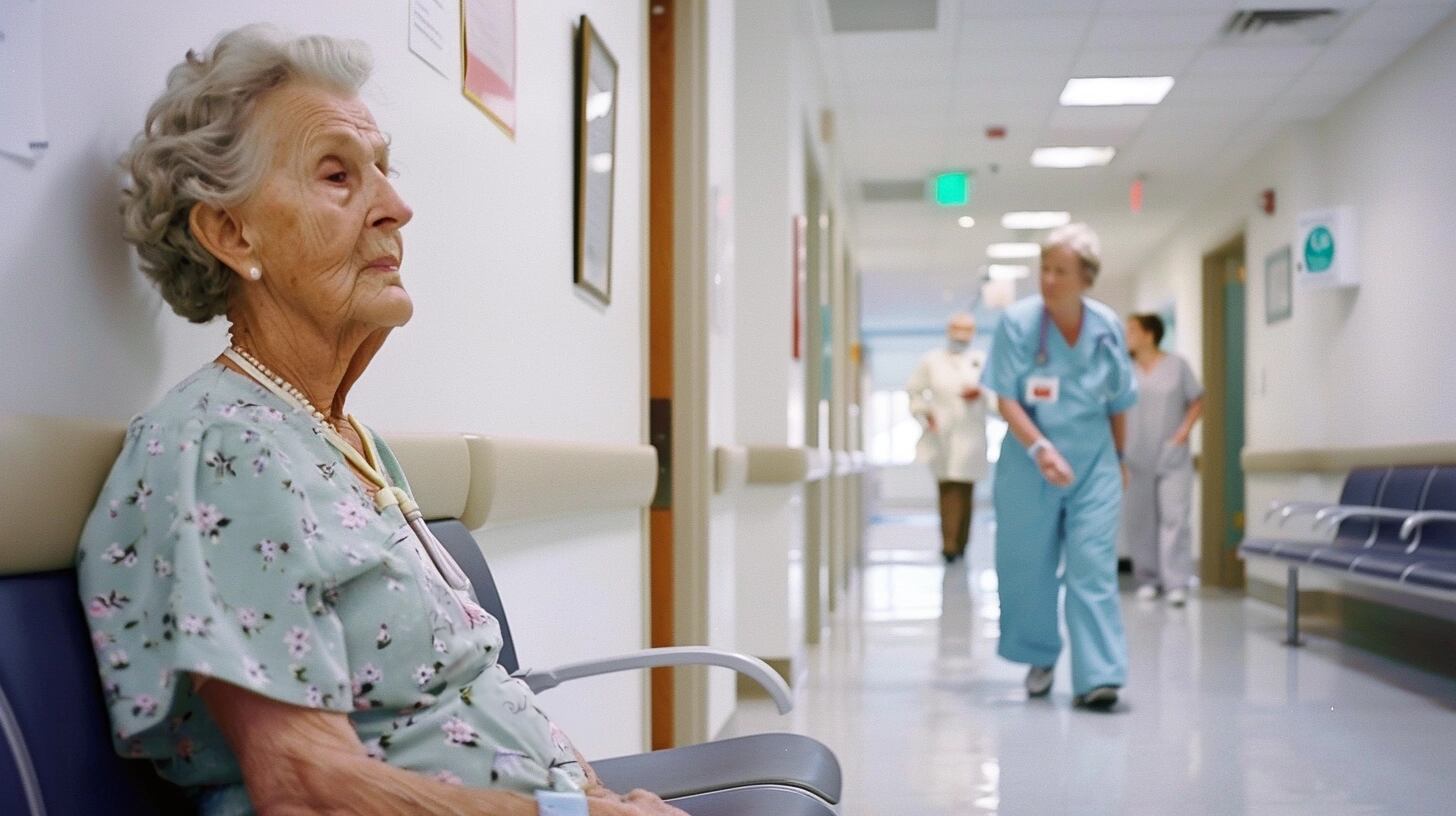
[(1218, 718)]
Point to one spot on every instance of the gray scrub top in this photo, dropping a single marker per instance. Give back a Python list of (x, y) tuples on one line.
[(232, 542), (1165, 394)]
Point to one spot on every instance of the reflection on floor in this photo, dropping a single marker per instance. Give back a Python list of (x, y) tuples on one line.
[(1219, 717)]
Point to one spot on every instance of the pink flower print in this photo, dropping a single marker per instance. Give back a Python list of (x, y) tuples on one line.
[(374, 750), (475, 615), (298, 595), (162, 567), (365, 679), (314, 697), (144, 705), (249, 436), (250, 620), (459, 732), (447, 777), (194, 625), (353, 555), (351, 514), (208, 519), (511, 764), (297, 642), (441, 647), (423, 675), (260, 464), (270, 550), (118, 659), (104, 606), (228, 410), (185, 445), (393, 584), (100, 640), (154, 447), (123, 557), (382, 639), (113, 508), (257, 672)]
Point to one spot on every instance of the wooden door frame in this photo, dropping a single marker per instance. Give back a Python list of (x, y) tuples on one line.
[(678, 358), (1218, 566)]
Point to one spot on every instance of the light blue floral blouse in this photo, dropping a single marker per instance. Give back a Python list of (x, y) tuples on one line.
[(231, 541)]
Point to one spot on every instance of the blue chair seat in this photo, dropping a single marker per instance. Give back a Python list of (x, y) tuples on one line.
[(1434, 575), (1337, 557), (1383, 564)]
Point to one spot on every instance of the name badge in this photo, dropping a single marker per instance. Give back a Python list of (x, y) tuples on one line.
[(1043, 390)]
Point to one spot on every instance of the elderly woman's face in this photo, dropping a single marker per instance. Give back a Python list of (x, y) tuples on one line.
[(1061, 275), (325, 222)]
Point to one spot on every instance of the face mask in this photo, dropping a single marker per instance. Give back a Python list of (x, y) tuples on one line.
[(958, 346)]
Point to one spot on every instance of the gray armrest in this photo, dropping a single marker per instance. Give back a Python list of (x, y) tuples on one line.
[(540, 680), (1286, 510), (1424, 517), (1335, 514)]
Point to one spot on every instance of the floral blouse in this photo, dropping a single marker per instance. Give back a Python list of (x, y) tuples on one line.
[(231, 541)]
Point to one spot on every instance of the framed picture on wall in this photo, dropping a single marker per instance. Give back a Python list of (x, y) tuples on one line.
[(596, 159), (800, 229), (1278, 286), (488, 49)]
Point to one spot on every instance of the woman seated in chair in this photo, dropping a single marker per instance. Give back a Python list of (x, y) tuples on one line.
[(275, 627)]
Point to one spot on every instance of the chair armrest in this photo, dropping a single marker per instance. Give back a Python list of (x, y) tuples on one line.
[(540, 680), (1286, 510), (1337, 513), (1415, 520)]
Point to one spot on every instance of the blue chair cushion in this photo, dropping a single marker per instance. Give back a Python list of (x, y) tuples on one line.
[(1383, 564), (1434, 575)]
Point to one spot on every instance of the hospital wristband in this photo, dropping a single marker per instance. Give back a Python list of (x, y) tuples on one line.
[(1036, 447), (561, 803)]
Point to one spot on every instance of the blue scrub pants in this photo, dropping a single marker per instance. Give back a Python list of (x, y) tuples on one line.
[(1038, 527)]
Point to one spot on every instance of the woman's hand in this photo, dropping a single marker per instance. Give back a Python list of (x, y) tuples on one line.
[(602, 802), (1053, 467), (971, 392)]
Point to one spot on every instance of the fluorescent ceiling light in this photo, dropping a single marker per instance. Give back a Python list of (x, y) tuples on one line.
[(966, 221), (1116, 90), (1008, 271), (1035, 220), (1005, 251), (1066, 157)]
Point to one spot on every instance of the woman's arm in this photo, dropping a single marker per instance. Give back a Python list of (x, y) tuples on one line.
[(1119, 444), (1048, 459), (299, 761), (1195, 411)]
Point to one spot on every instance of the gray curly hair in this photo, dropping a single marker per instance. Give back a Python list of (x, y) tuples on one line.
[(1082, 242), (198, 146)]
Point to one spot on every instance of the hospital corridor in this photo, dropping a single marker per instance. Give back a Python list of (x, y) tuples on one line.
[(727, 407)]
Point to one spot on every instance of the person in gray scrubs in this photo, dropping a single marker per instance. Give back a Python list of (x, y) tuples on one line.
[(1159, 464)]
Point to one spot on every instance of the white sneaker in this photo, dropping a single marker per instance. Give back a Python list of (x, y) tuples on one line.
[(1177, 597), (1147, 592), (1038, 681)]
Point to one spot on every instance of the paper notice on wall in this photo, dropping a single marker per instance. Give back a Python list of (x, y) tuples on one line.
[(22, 109), (434, 34)]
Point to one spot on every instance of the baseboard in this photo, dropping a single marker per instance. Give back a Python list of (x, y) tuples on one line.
[(1423, 641)]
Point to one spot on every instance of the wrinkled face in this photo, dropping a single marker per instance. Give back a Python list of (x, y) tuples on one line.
[(1061, 275), (325, 222), (961, 329)]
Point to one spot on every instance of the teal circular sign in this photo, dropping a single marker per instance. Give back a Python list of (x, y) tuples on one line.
[(1319, 249)]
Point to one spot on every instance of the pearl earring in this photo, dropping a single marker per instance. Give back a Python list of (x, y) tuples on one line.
[(254, 273)]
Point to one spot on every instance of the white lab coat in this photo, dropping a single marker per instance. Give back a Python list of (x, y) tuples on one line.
[(956, 451)]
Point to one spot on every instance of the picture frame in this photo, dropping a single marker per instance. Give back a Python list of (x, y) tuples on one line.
[(488, 59), (1278, 286), (596, 159)]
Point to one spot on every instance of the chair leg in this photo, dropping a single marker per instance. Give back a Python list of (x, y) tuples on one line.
[(1291, 609)]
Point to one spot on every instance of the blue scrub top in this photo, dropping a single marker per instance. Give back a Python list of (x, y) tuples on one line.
[(1095, 376)]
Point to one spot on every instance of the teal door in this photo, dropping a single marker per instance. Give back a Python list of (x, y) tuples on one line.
[(1233, 385)]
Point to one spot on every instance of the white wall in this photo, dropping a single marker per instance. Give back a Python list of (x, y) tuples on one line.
[(501, 342), (1365, 366)]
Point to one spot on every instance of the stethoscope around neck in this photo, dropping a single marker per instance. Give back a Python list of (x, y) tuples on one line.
[(369, 464), (1104, 342)]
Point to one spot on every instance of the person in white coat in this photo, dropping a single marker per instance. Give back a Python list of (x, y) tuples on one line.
[(946, 396)]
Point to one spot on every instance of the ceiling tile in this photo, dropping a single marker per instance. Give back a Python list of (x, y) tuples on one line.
[(1206, 88), (1167, 5), (1113, 126), (1024, 8), (1133, 62), (1300, 108), (1261, 60), (1403, 22), (1153, 30), (1059, 33)]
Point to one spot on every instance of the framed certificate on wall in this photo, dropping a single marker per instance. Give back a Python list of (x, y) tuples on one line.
[(596, 159), (488, 46)]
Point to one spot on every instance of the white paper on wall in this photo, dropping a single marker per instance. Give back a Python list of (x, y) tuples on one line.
[(22, 108), (434, 35)]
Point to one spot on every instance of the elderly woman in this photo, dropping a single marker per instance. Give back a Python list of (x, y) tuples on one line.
[(1060, 369), (275, 628)]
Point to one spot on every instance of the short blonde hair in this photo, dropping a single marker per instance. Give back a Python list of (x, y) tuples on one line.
[(1081, 241), (198, 146)]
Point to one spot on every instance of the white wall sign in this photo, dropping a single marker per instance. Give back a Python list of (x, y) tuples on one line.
[(434, 34), (1324, 248)]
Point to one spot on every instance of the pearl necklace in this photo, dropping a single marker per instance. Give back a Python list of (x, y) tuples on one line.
[(289, 388)]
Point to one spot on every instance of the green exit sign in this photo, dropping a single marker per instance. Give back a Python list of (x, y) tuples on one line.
[(952, 189)]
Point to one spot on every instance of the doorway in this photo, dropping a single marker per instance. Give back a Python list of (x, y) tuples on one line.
[(1224, 278)]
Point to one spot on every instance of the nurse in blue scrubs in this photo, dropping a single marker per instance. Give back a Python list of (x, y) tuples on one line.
[(1059, 367)]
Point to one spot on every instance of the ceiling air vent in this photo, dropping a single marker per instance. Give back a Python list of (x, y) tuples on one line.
[(1275, 25), (885, 192), (864, 16)]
